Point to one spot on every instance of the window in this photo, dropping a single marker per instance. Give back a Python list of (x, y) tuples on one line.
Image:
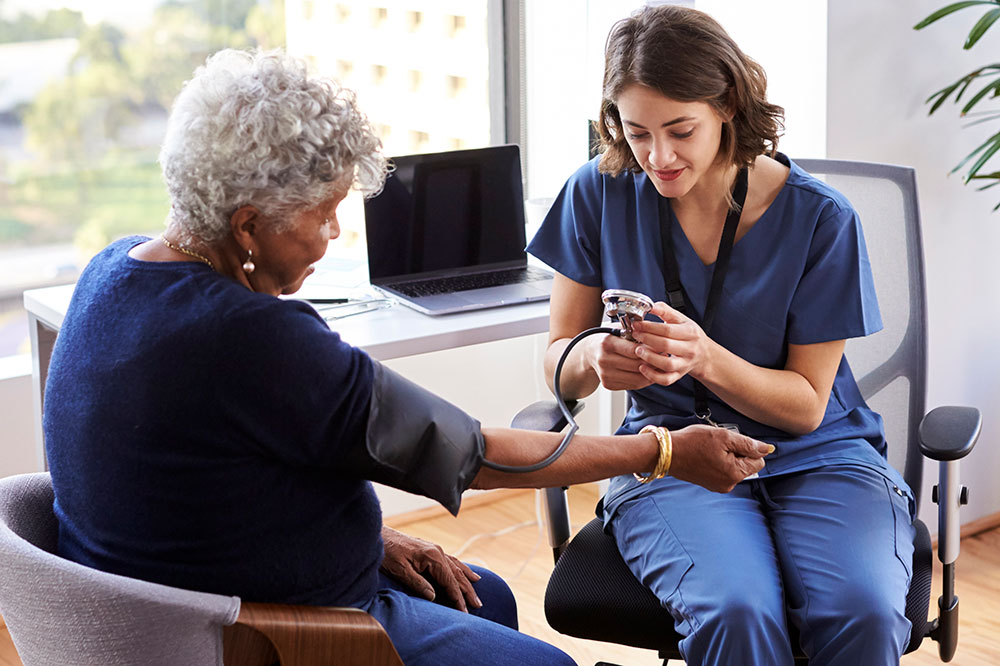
[(421, 67), (456, 24), (413, 20), (419, 141), (455, 85), (416, 78), (84, 97), (343, 68)]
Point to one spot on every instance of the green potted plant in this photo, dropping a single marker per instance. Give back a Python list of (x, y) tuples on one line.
[(986, 79)]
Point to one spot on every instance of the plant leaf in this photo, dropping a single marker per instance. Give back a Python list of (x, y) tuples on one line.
[(984, 145), (962, 84), (978, 30), (993, 86), (994, 146), (954, 7), (943, 95), (965, 85), (982, 160)]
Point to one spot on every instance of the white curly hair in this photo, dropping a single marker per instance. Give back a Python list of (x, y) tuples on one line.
[(252, 127)]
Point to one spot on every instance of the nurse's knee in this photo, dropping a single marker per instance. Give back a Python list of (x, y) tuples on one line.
[(741, 618), (740, 631), (862, 612)]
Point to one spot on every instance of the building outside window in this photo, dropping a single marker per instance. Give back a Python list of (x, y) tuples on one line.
[(420, 69)]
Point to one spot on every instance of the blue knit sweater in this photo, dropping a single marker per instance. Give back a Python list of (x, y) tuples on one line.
[(195, 429)]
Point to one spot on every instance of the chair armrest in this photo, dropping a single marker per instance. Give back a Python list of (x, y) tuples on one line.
[(306, 636), (949, 433), (545, 416)]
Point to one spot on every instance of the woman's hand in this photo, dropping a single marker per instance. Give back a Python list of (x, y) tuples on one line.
[(413, 561), (715, 458), (670, 349)]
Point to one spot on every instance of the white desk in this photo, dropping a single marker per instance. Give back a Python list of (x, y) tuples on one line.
[(385, 334)]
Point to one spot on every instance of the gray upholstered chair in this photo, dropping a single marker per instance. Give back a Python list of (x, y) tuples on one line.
[(593, 594), (60, 612)]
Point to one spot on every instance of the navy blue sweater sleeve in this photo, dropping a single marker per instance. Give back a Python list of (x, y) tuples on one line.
[(297, 390)]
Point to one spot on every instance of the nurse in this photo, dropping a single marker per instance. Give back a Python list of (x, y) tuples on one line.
[(766, 274)]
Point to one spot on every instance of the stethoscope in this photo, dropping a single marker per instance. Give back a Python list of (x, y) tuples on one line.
[(620, 305)]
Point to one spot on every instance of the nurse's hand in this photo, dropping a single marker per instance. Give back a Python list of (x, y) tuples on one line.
[(423, 566), (670, 349), (615, 362), (715, 458)]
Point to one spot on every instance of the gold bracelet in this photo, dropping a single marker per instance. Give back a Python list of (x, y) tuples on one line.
[(666, 454)]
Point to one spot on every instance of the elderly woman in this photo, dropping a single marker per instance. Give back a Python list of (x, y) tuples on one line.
[(204, 433)]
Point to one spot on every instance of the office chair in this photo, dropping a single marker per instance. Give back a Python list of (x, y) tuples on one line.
[(61, 612), (593, 594)]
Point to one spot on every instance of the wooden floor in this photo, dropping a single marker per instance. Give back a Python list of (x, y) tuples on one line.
[(978, 579), (520, 554)]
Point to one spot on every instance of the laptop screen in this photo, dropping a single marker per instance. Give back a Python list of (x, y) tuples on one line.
[(447, 213)]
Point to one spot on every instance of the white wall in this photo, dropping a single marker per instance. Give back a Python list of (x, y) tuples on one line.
[(788, 39), (880, 73)]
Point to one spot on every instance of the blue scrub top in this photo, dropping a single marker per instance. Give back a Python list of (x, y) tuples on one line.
[(801, 275)]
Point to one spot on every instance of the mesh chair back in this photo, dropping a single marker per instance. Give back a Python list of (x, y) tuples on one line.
[(890, 366), (60, 612)]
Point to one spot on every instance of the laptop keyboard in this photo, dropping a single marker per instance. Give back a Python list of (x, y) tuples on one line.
[(453, 283)]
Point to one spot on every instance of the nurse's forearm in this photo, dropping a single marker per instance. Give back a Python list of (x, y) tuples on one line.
[(786, 399), (578, 378)]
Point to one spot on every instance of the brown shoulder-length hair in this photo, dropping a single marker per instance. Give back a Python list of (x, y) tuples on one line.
[(685, 55)]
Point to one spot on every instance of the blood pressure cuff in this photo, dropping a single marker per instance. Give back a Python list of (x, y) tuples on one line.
[(418, 442)]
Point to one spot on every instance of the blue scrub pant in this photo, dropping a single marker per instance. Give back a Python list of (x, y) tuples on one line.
[(829, 549), (426, 633)]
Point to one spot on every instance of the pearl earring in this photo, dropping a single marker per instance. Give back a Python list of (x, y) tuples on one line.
[(248, 265)]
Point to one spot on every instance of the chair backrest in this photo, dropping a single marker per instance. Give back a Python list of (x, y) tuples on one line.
[(891, 365), (60, 612)]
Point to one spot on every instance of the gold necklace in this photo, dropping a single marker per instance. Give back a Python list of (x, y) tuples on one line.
[(190, 253)]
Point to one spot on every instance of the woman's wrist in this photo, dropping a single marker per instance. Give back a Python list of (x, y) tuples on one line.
[(664, 453), (709, 361)]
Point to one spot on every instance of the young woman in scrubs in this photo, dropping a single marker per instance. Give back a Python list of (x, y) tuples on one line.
[(821, 539)]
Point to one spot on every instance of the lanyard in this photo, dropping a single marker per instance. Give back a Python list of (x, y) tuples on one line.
[(676, 297)]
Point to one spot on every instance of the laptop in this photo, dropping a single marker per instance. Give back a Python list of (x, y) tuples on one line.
[(446, 234)]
